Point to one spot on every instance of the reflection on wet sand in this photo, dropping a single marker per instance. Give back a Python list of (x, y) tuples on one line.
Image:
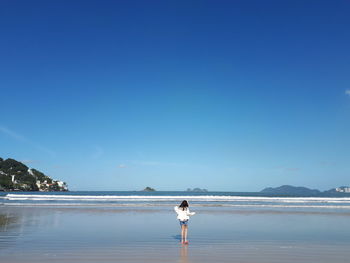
[(8, 223), (17, 223), (6, 220), (41, 235), (184, 254)]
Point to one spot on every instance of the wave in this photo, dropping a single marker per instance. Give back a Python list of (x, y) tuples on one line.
[(207, 198), (140, 205)]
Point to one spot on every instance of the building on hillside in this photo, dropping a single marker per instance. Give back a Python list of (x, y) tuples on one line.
[(343, 189)]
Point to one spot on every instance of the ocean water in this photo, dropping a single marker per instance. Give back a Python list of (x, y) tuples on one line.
[(156, 199)]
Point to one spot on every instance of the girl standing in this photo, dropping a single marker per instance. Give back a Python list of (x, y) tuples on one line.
[(183, 214)]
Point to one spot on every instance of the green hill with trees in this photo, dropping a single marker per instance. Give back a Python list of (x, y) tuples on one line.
[(16, 176)]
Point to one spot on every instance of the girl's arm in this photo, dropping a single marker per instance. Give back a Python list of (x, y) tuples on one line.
[(190, 213), (176, 208)]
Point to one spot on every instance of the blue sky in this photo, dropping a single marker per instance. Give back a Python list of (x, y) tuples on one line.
[(223, 95)]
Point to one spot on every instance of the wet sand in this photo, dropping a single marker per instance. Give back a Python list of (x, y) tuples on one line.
[(59, 234)]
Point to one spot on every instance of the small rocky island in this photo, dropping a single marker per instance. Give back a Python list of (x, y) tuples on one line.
[(16, 176), (149, 189)]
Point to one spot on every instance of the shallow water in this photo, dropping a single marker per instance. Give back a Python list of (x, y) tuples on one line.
[(151, 234)]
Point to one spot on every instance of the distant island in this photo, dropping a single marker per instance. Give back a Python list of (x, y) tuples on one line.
[(16, 176), (302, 191), (196, 190), (149, 189)]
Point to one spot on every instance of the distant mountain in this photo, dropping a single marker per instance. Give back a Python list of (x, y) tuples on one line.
[(291, 190), (197, 190), (16, 176)]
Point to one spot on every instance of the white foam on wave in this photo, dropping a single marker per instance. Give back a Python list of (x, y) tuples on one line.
[(208, 198), (167, 205)]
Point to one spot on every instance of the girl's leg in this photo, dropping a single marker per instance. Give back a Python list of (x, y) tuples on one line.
[(182, 233), (185, 232)]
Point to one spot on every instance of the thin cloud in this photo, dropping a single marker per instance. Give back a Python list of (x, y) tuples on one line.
[(327, 163), (27, 161), (12, 134), (122, 166), (21, 138), (97, 153), (148, 163), (285, 168), (58, 166), (292, 169), (155, 163), (347, 92)]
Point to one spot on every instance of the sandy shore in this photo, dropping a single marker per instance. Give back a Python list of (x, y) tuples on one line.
[(42, 234)]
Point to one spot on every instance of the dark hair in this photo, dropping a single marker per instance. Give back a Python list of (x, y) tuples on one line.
[(184, 205)]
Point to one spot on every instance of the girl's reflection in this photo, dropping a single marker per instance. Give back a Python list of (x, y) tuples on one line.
[(184, 254)]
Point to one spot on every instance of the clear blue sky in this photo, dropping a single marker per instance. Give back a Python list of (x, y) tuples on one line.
[(224, 95)]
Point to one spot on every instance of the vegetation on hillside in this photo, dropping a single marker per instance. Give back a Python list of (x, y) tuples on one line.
[(16, 176)]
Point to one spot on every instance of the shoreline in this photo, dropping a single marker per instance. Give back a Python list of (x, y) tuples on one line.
[(324, 194), (166, 208)]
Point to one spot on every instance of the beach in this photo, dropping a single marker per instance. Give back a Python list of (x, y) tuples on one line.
[(113, 113), (110, 233)]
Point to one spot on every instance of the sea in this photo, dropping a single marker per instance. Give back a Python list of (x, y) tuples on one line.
[(243, 200)]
